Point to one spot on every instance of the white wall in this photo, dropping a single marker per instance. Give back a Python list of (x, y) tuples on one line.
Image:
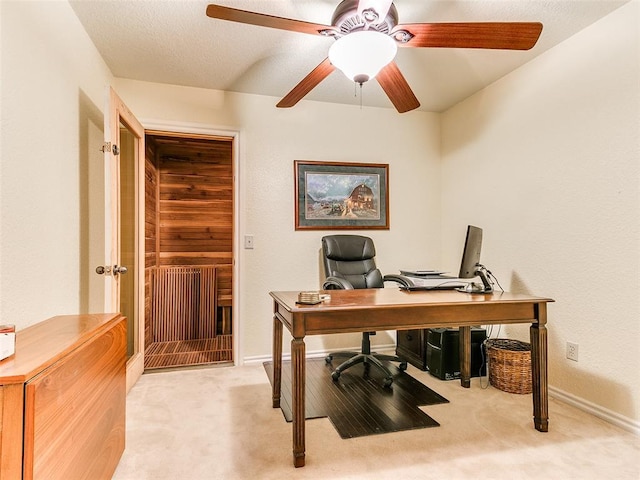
[(552, 150), (546, 160), (53, 84), (270, 140), (53, 91)]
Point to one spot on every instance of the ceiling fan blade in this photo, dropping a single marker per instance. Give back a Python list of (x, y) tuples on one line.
[(397, 89), (494, 35), (307, 84), (263, 20)]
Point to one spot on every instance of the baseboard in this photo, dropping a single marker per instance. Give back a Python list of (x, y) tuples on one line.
[(607, 415), (321, 353)]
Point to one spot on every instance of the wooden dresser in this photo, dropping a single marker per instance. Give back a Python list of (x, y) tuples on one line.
[(62, 399)]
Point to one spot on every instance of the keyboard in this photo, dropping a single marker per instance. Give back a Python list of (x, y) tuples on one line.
[(418, 288), (436, 283)]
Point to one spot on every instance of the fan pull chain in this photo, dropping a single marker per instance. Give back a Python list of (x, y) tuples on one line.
[(355, 91)]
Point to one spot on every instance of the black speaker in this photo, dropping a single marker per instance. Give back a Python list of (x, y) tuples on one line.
[(443, 352)]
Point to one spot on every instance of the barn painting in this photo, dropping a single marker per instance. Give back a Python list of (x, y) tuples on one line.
[(353, 196), (342, 195)]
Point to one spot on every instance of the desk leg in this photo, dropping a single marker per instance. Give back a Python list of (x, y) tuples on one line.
[(298, 399), (538, 335), (277, 362), (465, 356)]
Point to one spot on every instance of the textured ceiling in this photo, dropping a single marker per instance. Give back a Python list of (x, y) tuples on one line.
[(174, 42)]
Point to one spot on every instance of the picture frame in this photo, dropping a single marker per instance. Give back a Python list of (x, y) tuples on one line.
[(341, 196)]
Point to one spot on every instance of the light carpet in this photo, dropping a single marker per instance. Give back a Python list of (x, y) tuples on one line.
[(218, 423)]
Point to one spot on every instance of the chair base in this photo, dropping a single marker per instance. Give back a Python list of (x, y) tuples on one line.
[(368, 359)]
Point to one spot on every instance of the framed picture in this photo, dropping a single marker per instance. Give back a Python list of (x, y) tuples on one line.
[(334, 195)]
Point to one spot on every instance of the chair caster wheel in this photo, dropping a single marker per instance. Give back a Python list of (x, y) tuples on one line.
[(402, 366), (387, 382), (328, 359), (335, 375)]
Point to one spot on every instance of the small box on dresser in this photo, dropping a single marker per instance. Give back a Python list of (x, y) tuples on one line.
[(7, 341)]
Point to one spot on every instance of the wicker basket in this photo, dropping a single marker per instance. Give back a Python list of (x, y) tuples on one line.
[(509, 365)]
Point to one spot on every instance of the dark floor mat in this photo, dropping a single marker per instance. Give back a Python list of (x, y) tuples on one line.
[(357, 404)]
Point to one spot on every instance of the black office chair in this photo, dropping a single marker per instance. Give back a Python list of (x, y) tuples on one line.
[(349, 263)]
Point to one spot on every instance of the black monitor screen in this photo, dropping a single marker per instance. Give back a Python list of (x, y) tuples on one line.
[(471, 252)]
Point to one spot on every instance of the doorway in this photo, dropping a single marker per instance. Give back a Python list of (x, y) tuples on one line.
[(189, 232)]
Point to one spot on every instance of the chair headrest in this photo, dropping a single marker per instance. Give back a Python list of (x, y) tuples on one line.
[(348, 248)]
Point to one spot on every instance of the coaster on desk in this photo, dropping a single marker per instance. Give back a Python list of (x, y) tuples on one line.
[(309, 298)]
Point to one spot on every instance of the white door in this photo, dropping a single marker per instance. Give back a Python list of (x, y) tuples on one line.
[(123, 270)]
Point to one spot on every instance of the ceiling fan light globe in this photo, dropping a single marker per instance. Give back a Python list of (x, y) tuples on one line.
[(362, 54)]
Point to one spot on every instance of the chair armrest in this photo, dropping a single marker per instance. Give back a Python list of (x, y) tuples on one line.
[(336, 283), (401, 279)]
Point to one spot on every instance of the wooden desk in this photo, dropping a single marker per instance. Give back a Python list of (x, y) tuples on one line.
[(393, 309)]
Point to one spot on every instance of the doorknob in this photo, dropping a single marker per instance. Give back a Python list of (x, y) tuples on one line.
[(119, 269), (102, 270)]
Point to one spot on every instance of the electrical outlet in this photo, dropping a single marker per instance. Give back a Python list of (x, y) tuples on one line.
[(572, 351), (248, 241)]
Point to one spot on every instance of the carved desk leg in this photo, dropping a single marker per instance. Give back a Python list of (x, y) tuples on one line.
[(465, 356), (298, 399), (538, 335), (277, 362)]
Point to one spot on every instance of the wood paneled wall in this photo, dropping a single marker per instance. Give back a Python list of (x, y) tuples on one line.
[(150, 233), (189, 216), (151, 205), (195, 211)]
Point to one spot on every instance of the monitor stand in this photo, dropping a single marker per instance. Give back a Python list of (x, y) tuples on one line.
[(473, 287), (482, 273)]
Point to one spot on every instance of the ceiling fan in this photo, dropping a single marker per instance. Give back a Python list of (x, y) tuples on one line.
[(367, 36)]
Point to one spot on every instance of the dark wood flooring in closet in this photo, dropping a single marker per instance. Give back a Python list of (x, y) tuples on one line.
[(189, 352), (357, 404)]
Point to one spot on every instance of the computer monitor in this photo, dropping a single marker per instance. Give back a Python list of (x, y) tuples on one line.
[(470, 266)]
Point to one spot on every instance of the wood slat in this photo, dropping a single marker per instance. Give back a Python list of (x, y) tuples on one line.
[(221, 150), (206, 176), (205, 215), (194, 258), (213, 234), (182, 194), (196, 206), (191, 352), (195, 166), (184, 303), (186, 249)]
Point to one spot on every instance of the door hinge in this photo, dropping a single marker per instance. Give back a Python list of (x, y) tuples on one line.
[(107, 147)]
